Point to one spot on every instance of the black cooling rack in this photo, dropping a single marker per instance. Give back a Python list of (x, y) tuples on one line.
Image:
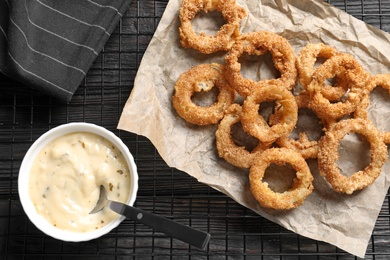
[(237, 233)]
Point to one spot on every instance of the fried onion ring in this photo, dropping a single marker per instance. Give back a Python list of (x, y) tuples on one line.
[(307, 57), (306, 66), (301, 187), (328, 155), (254, 124), (347, 68), (224, 38), (202, 77), (227, 148), (379, 80), (258, 43)]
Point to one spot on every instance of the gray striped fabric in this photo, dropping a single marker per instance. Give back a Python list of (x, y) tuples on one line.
[(51, 44)]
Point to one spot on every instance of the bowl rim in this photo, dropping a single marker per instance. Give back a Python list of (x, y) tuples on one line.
[(23, 180)]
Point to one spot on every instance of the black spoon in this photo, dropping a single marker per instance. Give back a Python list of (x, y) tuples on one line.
[(184, 233)]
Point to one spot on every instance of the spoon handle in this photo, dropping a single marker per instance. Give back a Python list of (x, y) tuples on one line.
[(176, 230)]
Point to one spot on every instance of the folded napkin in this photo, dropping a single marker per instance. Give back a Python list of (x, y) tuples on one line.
[(51, 44)]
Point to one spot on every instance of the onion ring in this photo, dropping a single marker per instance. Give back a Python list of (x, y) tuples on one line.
[(305, 64), (224, 38), (382, 80), (302, 184), (258, 43), (307, 57), (202, 77), (345, 66), (328, 155), (227, 148), (255, 124)]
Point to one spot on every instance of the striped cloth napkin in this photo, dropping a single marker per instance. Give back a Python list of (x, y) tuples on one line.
[(51, 44)]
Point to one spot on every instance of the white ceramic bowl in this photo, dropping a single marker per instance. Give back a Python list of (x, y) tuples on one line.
[(23, 182)]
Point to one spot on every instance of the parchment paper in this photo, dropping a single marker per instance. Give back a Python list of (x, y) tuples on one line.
[(345, 221)]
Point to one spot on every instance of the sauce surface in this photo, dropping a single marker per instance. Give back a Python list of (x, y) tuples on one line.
[(66, 176)]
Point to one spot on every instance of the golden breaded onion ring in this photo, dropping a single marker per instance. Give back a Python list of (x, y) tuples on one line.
[(258, 43), (378, 80), (328, 155), (224, 38), (227, 148), (308, 56), (254, 124), (346, 67), (306, 60), (301, 187), (202, 77)]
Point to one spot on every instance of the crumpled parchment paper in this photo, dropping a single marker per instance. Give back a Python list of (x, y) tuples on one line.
[(346, 221)]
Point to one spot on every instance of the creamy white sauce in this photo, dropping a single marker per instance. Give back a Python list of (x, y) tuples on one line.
[(66, 176)]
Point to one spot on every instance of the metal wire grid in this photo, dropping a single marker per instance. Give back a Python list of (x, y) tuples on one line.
[(237, 233)]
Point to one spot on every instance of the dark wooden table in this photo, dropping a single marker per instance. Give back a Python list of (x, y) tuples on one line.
[(237, 233)]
